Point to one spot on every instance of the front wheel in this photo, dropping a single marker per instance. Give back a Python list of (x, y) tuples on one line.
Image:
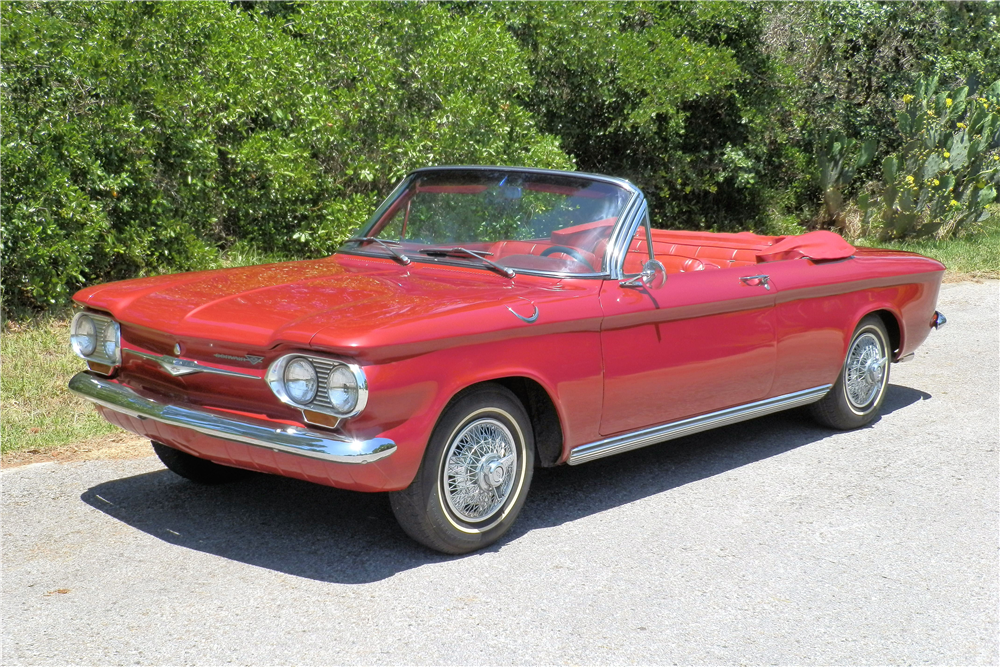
[(195, 469), (475, 474), (857, 396)]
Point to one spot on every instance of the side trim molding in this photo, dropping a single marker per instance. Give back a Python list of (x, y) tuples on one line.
[(664, 432)]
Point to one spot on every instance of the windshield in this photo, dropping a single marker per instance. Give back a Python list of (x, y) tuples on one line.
[(525, 221)]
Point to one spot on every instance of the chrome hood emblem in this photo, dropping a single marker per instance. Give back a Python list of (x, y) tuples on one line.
[(178, 367), (251, 358), (529, 319)]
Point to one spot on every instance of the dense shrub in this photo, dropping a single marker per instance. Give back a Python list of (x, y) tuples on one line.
[(141, 138), (660, 93)]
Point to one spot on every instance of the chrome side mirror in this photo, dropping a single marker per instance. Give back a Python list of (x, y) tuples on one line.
[(653, 276)]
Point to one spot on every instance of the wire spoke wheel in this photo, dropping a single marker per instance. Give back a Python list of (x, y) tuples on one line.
[(479, 470), (856, 398), (475, 474), (864, 371)]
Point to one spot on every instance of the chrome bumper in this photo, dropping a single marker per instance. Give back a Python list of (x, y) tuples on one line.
[(305, 442)]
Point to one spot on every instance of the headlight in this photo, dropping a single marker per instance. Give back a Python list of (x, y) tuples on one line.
[(83, 335), (326, 390), (97, 339), (343, 389), (301, 381), (109, 341)]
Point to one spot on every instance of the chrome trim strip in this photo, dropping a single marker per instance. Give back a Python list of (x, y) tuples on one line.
[(625, 183), (657, 434), (526, 320), (621, 237), (256, 432), (177, 367)]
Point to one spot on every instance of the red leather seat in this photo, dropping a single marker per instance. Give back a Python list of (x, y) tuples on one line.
[(672, 263)]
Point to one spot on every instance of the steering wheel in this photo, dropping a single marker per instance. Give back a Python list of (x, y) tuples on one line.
[(575, 254)]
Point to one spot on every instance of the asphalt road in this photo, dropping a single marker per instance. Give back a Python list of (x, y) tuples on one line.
[(772, 541)]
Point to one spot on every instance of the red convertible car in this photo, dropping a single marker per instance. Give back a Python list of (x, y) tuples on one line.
[(488, 320)]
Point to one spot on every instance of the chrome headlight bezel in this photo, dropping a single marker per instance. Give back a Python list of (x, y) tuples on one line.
[(103, 326), (307, 371), (275, 378)]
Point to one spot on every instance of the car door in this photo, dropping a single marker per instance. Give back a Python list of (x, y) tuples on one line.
[(702, 341)]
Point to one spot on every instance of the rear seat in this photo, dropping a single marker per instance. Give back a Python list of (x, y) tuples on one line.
[(673, 264), (710, 257)]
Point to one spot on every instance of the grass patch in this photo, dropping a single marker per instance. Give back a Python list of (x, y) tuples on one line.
[(38, 410), (972, 256)]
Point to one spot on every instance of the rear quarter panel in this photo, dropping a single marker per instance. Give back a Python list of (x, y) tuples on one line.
[(819, 305)]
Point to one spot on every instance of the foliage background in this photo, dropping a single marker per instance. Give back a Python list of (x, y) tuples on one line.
[(145, 137)]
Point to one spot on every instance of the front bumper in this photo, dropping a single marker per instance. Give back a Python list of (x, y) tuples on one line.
[(308, 443)]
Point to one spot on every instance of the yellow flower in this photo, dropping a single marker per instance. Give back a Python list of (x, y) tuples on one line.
[(947, 102), (962, 125), (907, 98), (947, 154), (909, 179), (937, 182), (954, 203)]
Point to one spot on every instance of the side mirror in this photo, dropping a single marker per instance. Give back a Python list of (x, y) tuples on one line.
[(653, 276)]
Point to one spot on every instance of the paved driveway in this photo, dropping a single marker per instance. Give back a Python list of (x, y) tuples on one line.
[(772, 541)]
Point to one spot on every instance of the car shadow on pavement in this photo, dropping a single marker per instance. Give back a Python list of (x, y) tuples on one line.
[(328, 534)]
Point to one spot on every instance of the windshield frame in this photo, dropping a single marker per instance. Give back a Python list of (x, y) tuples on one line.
[(625, 221)]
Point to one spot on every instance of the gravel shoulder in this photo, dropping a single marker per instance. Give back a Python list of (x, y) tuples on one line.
[(771, 541)]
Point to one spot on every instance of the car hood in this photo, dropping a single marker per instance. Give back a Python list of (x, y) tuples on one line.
[(346, 305)]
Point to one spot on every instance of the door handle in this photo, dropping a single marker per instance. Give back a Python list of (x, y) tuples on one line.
[(753, 281)]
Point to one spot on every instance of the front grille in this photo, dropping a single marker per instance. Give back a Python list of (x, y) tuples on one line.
[(323, 369)]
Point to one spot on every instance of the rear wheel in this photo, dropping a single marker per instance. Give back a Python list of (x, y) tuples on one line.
[(857, 396), (475, 474), (196, 469)]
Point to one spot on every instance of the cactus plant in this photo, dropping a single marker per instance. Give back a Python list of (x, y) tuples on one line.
[(948, 170), (838, 162)]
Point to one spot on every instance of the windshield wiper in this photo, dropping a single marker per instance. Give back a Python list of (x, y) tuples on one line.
[(457, 250), (403, 259)]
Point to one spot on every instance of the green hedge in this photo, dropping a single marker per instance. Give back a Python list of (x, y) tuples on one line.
[(147, 137), (140, 138)]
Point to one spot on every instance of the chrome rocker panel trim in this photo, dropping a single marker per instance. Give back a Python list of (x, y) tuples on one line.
[(656, 434), (258, 433)]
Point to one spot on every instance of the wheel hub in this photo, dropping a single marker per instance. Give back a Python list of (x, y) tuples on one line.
[(491, 472), (874, 370)]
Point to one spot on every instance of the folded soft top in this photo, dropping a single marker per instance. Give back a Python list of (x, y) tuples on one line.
[(818, 245)]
